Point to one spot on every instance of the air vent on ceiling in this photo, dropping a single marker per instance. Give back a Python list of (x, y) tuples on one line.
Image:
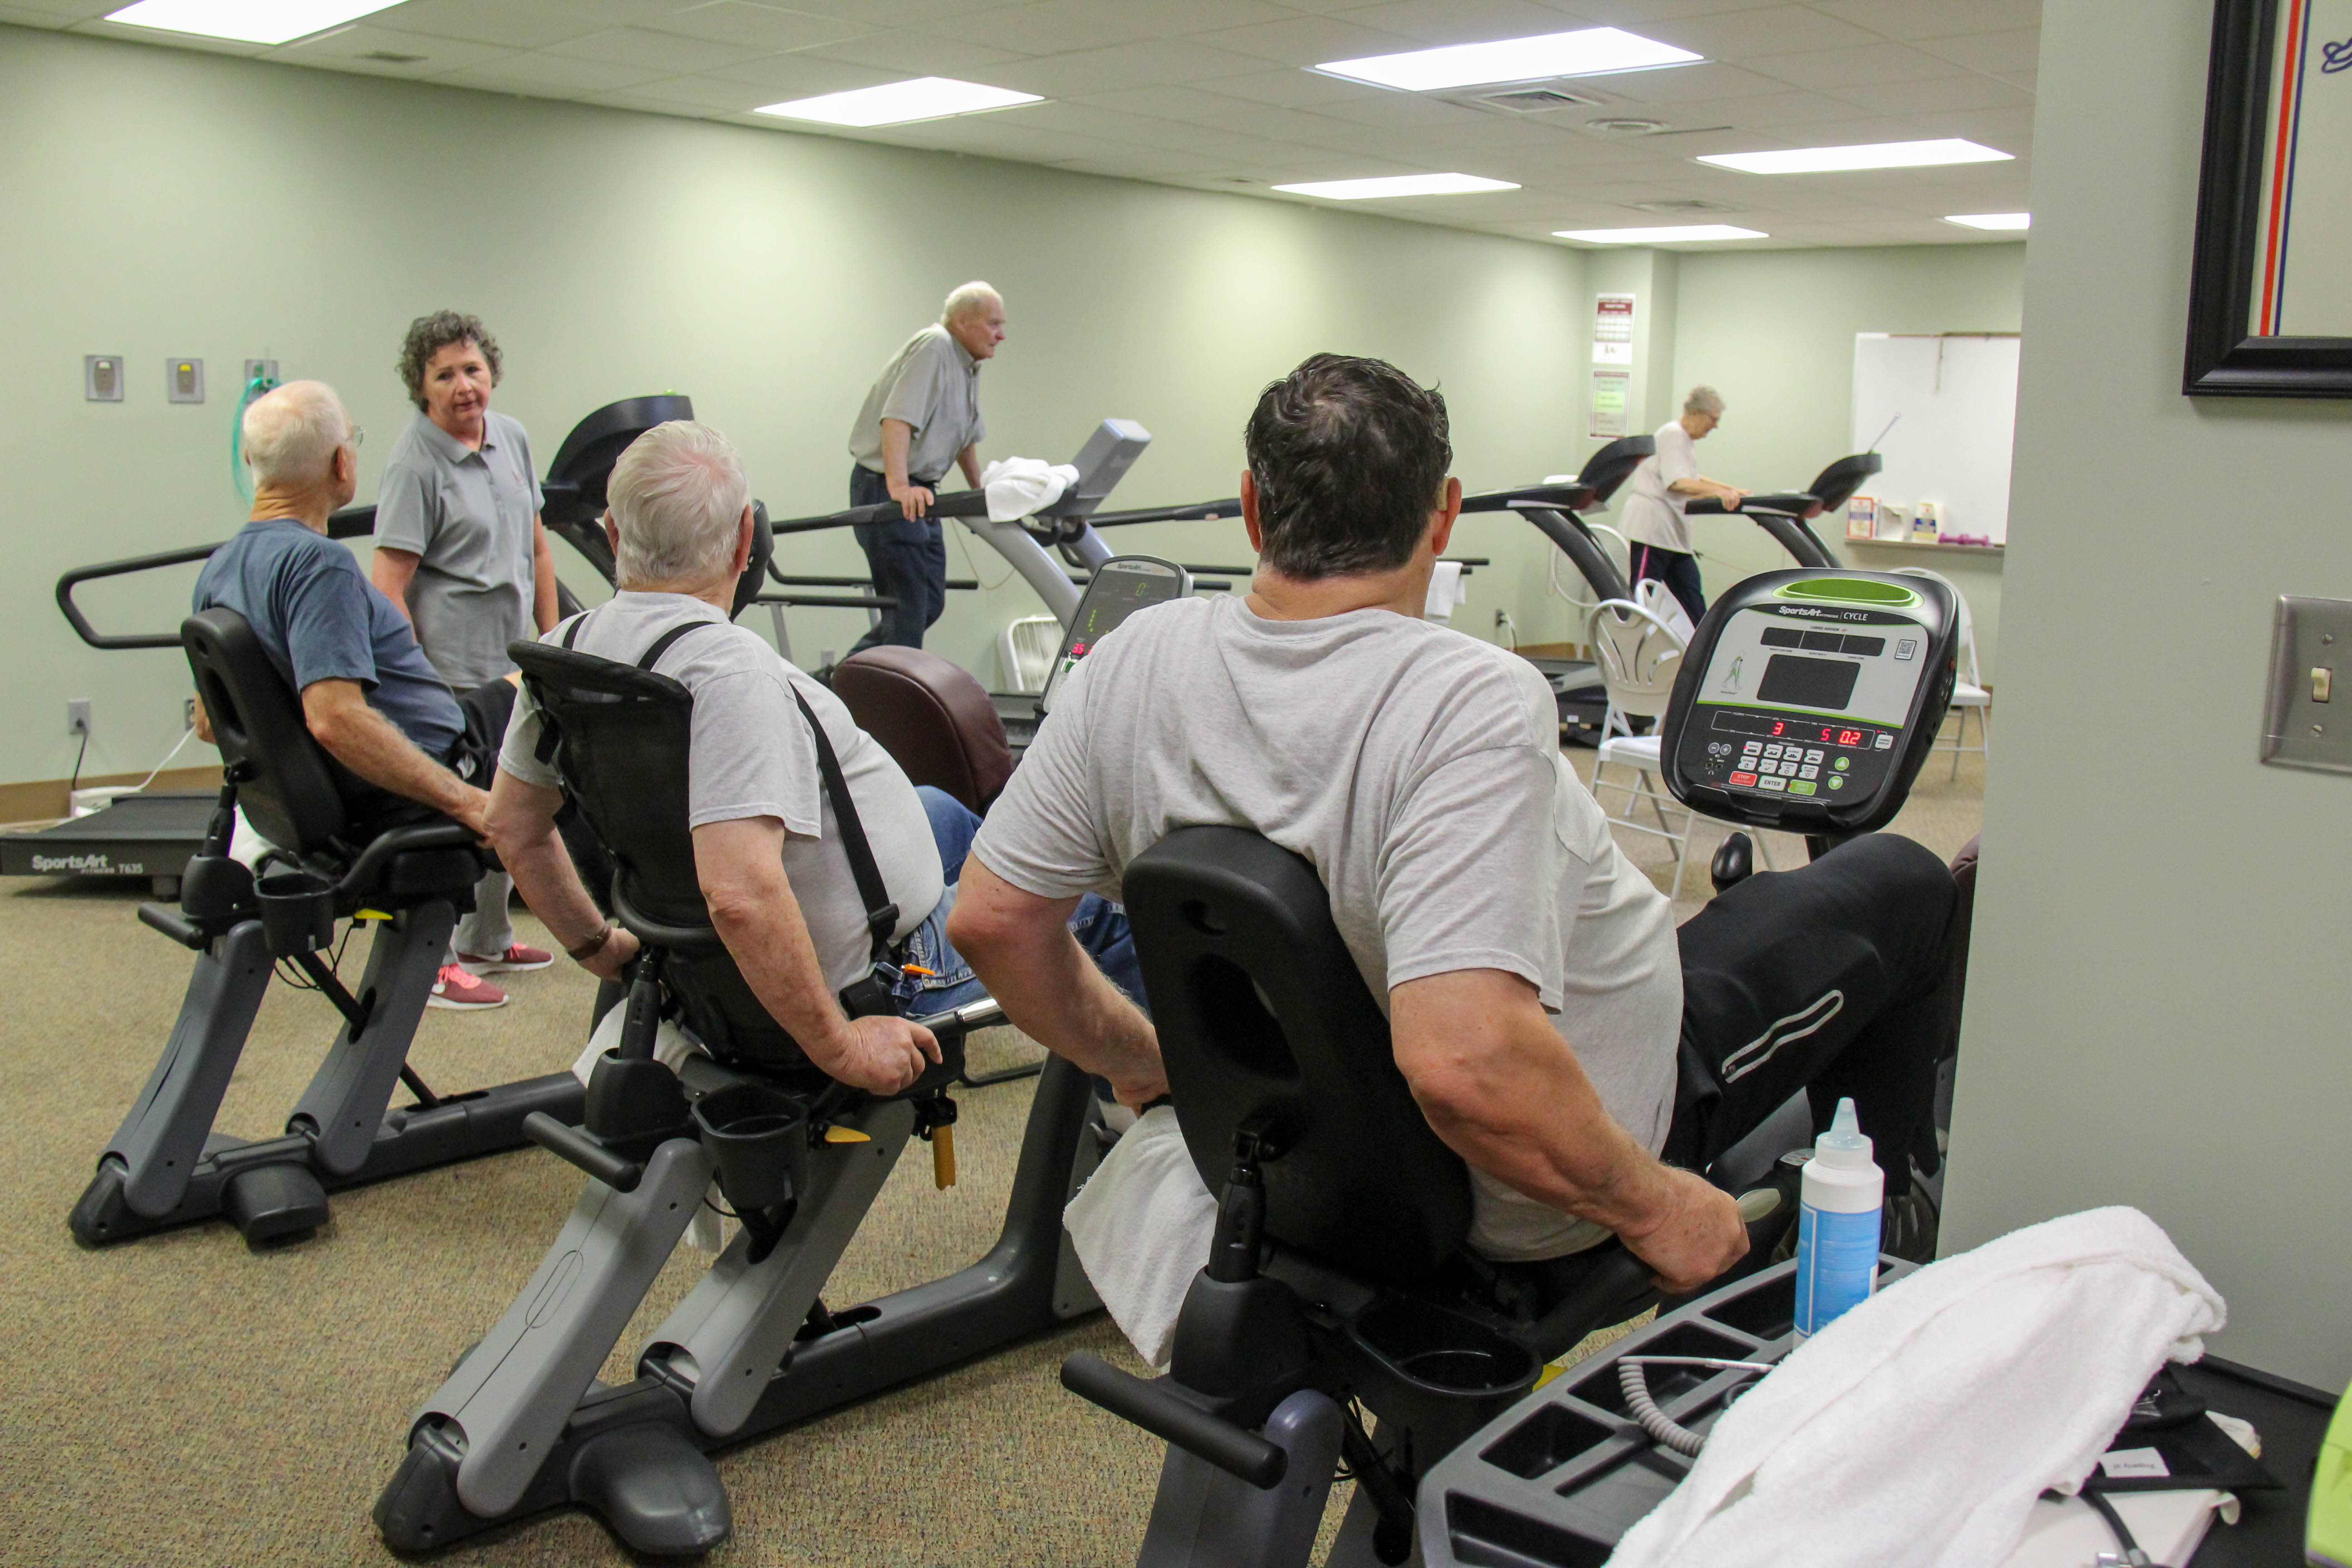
[(385, 57), (1528, 97), (1626, 126), (1688, 205)]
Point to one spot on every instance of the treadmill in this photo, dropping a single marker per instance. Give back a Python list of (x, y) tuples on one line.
[(152, 835)]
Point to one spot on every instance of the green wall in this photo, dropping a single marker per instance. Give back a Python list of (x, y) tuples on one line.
[(229, 209), (2158, 987)]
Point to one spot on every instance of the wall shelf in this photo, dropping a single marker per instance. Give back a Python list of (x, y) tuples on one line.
[(1908, 544)]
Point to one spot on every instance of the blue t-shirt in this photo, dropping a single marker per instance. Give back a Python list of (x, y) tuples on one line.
[(319, 618)]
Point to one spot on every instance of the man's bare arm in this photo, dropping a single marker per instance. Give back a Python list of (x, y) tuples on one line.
[(523, 831), (372, 746), (898, 437), (1020, 946), (393, 570), (545, 608), (968, 461), (1505, 1092), (740, 866)]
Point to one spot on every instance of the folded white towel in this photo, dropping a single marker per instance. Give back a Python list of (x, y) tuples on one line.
[(1920, 1427), (1142, 1226), (672, 1045), (1017, 487), (1445, 593)]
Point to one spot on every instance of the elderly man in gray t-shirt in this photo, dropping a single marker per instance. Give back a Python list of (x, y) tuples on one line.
[(1532, 977)]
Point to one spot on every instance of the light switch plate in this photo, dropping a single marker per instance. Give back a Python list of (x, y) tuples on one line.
[(184, 380), (2298, 731), (101, 378)]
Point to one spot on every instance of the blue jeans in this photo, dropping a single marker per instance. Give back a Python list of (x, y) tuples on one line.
[(1099, 925), (907, 559)]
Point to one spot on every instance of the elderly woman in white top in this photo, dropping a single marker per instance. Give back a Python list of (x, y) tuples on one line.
[(1666, 482)]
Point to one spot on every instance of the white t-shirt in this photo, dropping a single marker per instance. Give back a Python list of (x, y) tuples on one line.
[(1653, 515), (1419, 770), (752, 755)]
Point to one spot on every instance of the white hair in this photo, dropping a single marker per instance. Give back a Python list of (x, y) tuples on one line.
[(291, 433), (1703, 400), (676, 495), (968, 299)]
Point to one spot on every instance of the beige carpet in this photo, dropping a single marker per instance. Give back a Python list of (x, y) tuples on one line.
[(183, 1400)]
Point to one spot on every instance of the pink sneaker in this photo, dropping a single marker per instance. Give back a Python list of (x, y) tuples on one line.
[(462, 992), (514, 960)]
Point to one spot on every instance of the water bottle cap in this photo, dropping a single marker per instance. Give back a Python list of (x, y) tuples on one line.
[(1844, 1147)]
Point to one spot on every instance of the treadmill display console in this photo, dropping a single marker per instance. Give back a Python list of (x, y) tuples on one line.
[(1121, 585), (1809, 699)]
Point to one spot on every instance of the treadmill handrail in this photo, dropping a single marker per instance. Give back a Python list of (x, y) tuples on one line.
[(124, 568)]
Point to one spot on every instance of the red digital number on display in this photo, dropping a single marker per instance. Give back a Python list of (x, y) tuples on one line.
[(1077, 650), (1849, 737), (1780, 726)]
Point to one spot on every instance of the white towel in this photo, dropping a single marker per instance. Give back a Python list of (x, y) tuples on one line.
[(672, 1045), (1142, 1226), (1445, 593), (1920, 1427), (1017, 487)]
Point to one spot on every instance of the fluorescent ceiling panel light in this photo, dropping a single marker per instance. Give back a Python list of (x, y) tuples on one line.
[(899, 102), (246, 21), (1992, 220), (1875, 155), (1397, 185), (1672, 234), (1589, 51)]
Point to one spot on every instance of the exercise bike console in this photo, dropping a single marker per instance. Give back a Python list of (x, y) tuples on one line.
[(1809, 700), (1121, 585)]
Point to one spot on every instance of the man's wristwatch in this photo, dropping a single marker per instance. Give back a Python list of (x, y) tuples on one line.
[(593, 946)]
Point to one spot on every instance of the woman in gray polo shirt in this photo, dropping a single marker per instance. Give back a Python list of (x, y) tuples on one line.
[(460, 549)]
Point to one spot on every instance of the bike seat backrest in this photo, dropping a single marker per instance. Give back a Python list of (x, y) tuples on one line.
[(1611, 466), (933, 719), (622, 740), (295, 794), (1265, 1022)]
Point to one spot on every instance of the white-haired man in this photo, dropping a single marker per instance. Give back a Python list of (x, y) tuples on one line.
[(1667, 481), (368, 694), (921, 413)]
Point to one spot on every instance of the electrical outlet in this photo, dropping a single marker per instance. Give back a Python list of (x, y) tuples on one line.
[(1501, 619), (187, 712), (266, 369), (77, 715)]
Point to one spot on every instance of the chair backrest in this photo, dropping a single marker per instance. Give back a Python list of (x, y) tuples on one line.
[(1637, 653), (930, 715), (295, 794), (1968, 623), (1265, 1023), (1659, 600), (621, 739), (1025, 650)]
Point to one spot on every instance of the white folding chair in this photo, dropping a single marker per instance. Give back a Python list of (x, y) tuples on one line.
[(1638, 654), (1968, 694), (1025, 650)]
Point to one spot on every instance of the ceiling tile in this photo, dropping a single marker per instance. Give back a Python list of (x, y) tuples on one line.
[(1410, 109), (516, 24), (656, 51), (55, 12), (1785, 107), (548, 76), (2017, 50), (1934, 18), (104, 29), (711, 95), (1912, 99), (1774, 29), (1309, 40), (914, 53), (1056, 26), (399, 54), (1163, 60), (1637, 13), (2009, 130), (1460, 21), (1189, 104), (804, 75), (1141, 164), (1290, 89), (1830, 69), (1703, 83), (765, 27)]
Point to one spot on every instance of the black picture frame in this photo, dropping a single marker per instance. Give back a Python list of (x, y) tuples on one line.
[(2224, 360)]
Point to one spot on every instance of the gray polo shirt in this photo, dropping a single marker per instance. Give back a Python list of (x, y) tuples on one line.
[(466, 516), (933, 384)]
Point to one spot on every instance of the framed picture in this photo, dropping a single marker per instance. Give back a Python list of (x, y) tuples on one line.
[(2270, 300)]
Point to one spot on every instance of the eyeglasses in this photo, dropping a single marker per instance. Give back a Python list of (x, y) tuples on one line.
[(356, 439)]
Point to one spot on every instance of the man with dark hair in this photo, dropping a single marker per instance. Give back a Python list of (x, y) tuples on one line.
[(1536, 996)]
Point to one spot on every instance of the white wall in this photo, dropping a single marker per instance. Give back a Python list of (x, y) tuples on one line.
[(2159, 992)]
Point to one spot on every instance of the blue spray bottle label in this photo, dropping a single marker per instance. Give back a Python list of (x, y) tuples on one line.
[(1837, 1265)]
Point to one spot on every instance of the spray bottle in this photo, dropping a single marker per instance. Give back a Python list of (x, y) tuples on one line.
[(1837, 1223)]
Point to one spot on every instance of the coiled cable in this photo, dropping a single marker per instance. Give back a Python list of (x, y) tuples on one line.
[(1663, 1429)]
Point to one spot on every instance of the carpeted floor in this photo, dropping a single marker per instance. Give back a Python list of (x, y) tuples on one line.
[(183, 1400)]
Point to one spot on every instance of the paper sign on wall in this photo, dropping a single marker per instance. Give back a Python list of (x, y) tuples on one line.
[(1610, 393), (1613, 329)]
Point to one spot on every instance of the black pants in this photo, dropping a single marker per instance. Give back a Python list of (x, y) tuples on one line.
[(907, 558), (1677, 571), (1836, 979)]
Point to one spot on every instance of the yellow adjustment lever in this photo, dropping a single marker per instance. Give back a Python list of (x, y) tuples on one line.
[(943, 1157), (370, 915), (845, 1135)]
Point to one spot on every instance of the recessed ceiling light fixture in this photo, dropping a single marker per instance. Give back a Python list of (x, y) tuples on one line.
[(1672, 234), (1588, 52), (246, 21), (1992, 220), (1397, 185), (1874, 155), (899, 102)]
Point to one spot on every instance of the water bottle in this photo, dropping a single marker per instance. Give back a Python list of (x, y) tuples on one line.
[(1837, 1223)]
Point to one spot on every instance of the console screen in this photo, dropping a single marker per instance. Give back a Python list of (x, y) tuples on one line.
[(1119, 596), (1807, 682)]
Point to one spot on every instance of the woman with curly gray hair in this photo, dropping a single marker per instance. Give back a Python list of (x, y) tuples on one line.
[(460, 548)]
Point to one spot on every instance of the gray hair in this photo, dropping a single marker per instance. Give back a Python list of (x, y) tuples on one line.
[(291, 433), (1703, 400), (676, 495), (968, 299)]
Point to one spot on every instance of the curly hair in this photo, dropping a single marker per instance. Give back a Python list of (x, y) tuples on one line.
[(1348, 457), (428, 335)]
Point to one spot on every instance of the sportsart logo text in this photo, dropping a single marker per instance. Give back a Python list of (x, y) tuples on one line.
[(98, 864)]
